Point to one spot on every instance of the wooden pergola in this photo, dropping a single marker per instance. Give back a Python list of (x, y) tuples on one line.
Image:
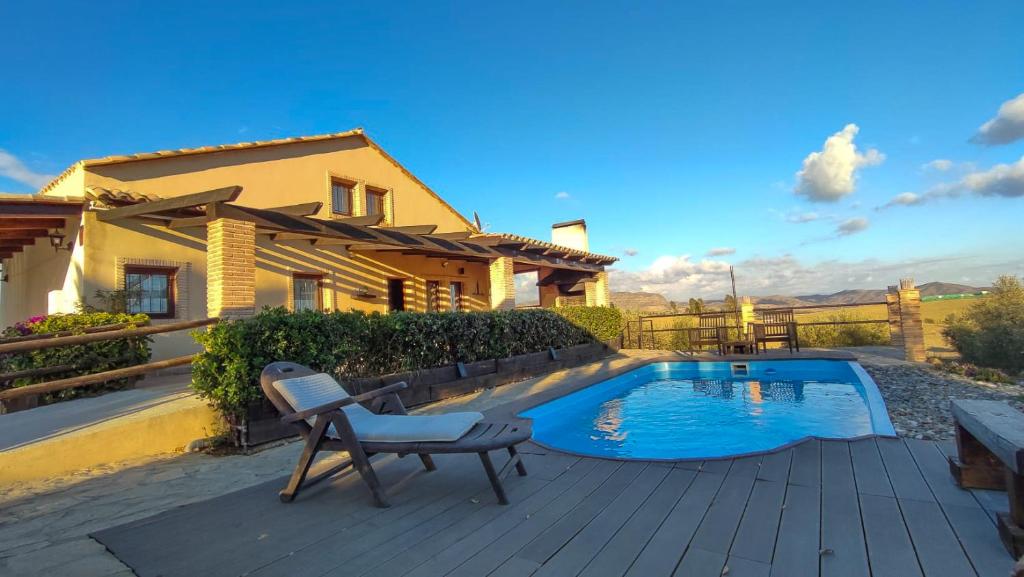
[(294, 223), (26, 218)]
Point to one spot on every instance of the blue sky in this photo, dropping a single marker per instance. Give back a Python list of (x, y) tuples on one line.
[(673, 128)]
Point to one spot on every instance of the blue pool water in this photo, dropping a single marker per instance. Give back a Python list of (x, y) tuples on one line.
[(689, 410)]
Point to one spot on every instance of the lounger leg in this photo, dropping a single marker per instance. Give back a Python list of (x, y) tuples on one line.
[(520, 467), (493, 476), (305, 461), (428, 462), (362, 464)]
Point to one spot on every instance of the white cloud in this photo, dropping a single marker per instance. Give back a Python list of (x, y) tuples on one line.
[(721, 251), (14, 169), (1005, 180), (561, 195), (786, 275), (631, 252), (939, 164), (1006, 127), (831, 174), (852, 226)]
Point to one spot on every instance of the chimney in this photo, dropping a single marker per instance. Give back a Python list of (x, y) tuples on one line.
[(572, 234)]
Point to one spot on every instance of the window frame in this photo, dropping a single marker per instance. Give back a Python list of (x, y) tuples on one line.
[(170, 272), (351, 186), (319, 278), (374, 191), (456, 303)]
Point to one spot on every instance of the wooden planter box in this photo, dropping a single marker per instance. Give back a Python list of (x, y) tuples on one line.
[(263, 424)]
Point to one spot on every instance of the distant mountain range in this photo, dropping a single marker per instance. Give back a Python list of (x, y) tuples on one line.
[(652, 302)]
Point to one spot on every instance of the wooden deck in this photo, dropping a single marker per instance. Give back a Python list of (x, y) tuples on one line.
[(884, 507)]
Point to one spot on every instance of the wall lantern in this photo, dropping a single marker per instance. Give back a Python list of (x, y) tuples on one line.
[(57, 241)]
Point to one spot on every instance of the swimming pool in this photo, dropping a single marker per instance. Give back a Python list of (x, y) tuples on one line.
[(691, 410)]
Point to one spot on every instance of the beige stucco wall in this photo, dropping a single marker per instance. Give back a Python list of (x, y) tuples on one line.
[(284, 175), (274, 176)]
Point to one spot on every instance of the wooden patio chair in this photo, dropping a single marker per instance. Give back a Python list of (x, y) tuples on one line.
[(711, 330), (776, 326), (329, 419)]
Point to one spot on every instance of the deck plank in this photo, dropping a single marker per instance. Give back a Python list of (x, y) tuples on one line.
[(405, 552), (755, 538), (938, 549), (890, 550), (868, 469), (555, 537), (842, 535), (719, 526), (775, 466), (701, 563), (907, 481), (806, 467), (666, 547), (933, 465), (581, 549), (798, 545), (619, 553), (499, 550), (977, 535), (740, 567)]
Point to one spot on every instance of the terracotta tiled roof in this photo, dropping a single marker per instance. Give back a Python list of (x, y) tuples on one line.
[(117, 159), (116, 196)]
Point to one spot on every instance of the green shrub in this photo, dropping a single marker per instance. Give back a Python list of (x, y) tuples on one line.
[(357, 344), (86, 359), (605, 323), (991, 332), (843, 335)]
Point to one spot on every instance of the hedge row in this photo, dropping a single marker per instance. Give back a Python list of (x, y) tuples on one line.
[(605, 323), (357, 344), (87, 359)]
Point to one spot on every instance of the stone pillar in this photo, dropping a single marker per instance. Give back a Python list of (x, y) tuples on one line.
[(746, 314), (892, 307), (503, 284), (230, 268), (597, 291), (911, 325)]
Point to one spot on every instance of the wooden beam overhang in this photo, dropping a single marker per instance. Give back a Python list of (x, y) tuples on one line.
[(35, 209), (26, 223), (415, 229), (304, 209), (367, 220), (453, 235), (149, 209), (7, 234)]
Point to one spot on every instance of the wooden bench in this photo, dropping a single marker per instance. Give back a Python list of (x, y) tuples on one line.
[(990, 455)]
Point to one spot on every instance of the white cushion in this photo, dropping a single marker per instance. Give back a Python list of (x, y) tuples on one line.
[(314, 390)]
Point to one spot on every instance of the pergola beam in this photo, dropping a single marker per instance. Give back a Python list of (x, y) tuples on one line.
[(304, 209), (26, 223), (209, 197), (8, 234), (414, 229)]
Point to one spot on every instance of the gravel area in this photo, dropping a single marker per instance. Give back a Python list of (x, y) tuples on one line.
[(918, 396)]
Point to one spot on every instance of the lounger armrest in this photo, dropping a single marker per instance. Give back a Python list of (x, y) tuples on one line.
[(335, 405), (324, 408)]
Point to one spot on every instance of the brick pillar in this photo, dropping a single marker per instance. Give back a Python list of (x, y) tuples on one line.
[(746, 314), (892, 307), (503, 284), (911, 325), (230, 268), (597, 292)]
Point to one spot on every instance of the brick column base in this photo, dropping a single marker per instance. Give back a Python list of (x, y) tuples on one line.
[(503, 284), (230, 268), (911, 325)]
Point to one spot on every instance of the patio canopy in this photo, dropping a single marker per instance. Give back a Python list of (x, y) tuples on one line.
[(26, 217), (362, 233)]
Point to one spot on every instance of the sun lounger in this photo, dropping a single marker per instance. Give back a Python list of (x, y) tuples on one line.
[(329, 419)]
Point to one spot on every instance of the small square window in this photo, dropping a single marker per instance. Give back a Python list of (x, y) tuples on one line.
[(375, 201), (149, 290), (306, 292), (341, 197)]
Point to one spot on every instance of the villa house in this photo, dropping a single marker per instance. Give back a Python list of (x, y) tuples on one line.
[(320, 222)]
